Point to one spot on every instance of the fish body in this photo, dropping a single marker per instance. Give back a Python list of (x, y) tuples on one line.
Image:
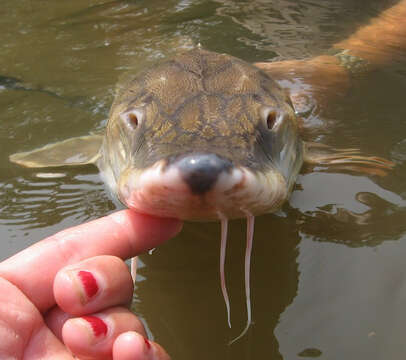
[(203, 136)]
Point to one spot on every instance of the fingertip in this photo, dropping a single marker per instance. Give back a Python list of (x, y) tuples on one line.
[(92, 285), (67, 292), (88, 336), (146, 231), (131, 345), (93, 335), (170, 224), (87, 330)]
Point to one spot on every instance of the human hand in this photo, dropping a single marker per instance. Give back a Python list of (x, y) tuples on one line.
[(68, 294)]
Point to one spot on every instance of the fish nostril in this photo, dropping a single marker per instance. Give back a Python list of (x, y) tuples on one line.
[(201, 171)]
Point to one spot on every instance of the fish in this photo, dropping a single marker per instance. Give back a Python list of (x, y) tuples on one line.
[(202, 136)]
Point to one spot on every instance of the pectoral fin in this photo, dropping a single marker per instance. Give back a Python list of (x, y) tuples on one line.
[(71, 152), (345, 159)]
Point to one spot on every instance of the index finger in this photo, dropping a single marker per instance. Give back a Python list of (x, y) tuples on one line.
[(124, 234)]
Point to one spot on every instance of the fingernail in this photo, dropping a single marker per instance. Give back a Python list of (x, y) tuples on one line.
[(147, 343), (89, 283), (98, 326)]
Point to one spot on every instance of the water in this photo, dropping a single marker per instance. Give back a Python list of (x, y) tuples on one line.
[(328, 278)]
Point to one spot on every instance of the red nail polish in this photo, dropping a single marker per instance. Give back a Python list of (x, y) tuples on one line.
[(147, 343), (99, 327), (89, 283)]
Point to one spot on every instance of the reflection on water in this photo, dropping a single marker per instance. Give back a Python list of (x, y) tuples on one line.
[(327, 272), (358, 212), (288, 27), (30, 202)]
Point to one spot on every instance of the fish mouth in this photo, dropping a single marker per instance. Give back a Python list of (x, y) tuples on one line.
[(201, 186)]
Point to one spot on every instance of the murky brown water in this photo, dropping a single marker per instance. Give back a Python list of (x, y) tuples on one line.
[(328, 273)]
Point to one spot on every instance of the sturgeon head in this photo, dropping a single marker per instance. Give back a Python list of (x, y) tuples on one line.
[(203, 136)]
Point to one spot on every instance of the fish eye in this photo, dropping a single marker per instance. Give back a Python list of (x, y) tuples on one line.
[(271, 117), (132, 118), (271, 120)]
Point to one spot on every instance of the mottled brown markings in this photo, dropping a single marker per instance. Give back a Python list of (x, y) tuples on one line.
[(221, 83), (170, 87), (191, 122), (163, 129), (191, 63), (208, 133), (221, 69), (199, 102)]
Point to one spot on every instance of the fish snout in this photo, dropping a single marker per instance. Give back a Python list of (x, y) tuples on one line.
[(201, 171), (201, 185)]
